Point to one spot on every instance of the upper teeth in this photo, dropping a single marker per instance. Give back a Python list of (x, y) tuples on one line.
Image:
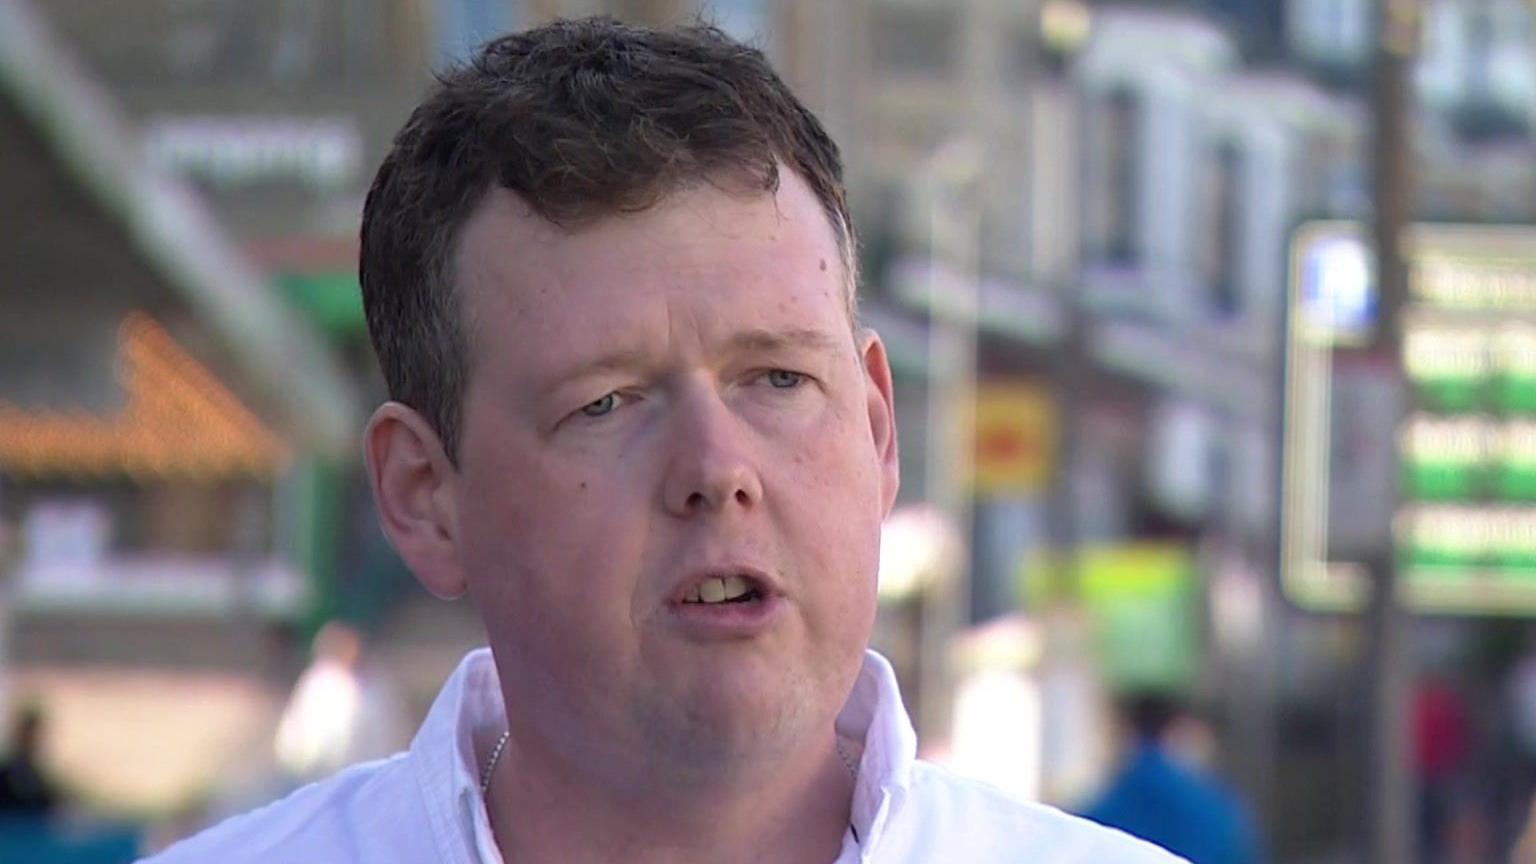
[(718, 590)]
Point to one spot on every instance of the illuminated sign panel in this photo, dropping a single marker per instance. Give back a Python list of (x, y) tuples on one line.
[(1336, 284), (1462, 526)]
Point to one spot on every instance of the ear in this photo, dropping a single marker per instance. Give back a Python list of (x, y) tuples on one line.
[(414, 492), (880, 395)]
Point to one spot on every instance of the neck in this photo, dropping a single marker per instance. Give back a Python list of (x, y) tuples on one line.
[(795, 810)]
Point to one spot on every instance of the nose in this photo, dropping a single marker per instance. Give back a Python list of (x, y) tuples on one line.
[(710, 468)]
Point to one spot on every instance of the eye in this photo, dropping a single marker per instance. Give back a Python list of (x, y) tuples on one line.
[(784, 379), (600, 407)]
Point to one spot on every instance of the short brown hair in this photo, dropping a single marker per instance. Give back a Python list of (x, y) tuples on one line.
[(581, 119)]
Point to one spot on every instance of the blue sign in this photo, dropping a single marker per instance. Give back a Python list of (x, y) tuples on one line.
[(1338, 288)]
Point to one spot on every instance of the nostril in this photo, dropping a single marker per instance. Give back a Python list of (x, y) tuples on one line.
[(706, 497)]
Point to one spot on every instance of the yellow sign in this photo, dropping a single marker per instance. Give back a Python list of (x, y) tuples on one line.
[(1015, 438)]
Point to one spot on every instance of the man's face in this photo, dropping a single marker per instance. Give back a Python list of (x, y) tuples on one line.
[(667, 409)]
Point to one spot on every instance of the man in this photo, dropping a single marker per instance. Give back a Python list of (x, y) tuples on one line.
[(609, 273), (1163, 796), (341, 711)]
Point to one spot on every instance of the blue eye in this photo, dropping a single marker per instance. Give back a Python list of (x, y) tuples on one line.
[(783, 379), (601, 406)]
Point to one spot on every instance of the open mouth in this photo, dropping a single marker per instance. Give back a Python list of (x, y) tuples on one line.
[(724, 589)]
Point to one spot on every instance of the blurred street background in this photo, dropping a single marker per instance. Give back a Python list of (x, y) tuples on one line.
[(1214, 334)]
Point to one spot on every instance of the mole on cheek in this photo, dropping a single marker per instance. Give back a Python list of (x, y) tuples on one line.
[(583, 485), (823, 264)]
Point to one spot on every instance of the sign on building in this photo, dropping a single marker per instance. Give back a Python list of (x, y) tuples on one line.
[(1446, 484)]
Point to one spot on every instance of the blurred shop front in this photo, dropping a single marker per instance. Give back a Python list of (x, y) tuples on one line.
[(164, 423)]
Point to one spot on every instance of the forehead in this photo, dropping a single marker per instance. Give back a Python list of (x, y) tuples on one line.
[(522, 277)]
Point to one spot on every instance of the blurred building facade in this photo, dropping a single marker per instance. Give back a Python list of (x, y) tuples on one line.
[(157, 402)]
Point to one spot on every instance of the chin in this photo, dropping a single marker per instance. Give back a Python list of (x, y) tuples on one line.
[(741, 714)]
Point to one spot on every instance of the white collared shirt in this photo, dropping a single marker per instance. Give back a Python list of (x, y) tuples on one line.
[(424, 805)]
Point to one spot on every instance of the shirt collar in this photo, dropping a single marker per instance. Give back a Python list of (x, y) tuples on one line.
[(874, 715), (447, 752), (468, 716)]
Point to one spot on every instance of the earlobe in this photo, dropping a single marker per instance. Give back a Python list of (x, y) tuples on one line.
[(413, 486), (882, 415)]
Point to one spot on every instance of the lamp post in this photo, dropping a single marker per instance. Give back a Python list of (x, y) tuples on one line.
[(948, 182), (1389, 784)]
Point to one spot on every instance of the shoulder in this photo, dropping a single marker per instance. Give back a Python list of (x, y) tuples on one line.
[(369, 812), (945, 809)]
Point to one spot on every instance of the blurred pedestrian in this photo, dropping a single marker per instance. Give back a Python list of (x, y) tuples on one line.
[(342, 711), (1521, 693), (25, 789), (1165, 797), (1441, 734), (609, 273)]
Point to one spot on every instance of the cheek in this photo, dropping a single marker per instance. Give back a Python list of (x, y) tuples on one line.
[(836, 464), (835, 505), (543, 534), (549, 594)]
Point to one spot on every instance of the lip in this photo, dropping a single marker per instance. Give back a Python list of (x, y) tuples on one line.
[(726, 621), (766, 585)]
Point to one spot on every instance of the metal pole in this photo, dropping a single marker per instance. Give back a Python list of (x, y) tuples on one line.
[(953, 247), (1390, 786), (1069, 378)]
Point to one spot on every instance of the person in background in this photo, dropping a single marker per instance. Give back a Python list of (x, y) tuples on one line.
[(1441, 744), (1163, 796), (25, 788), (1519, 760), (610, 275), (340, 712)]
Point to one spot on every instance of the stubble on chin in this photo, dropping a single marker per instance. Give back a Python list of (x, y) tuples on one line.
[(700, 740)]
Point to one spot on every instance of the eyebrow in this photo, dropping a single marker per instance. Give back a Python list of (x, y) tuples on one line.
[(756, 341), (762, 341), (614, 361)]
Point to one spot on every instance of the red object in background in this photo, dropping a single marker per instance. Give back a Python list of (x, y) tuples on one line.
[(1439, 731)]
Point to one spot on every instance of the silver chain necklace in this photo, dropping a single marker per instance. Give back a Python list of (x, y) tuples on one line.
[(490, 764), (501, 747), (842, 753)]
